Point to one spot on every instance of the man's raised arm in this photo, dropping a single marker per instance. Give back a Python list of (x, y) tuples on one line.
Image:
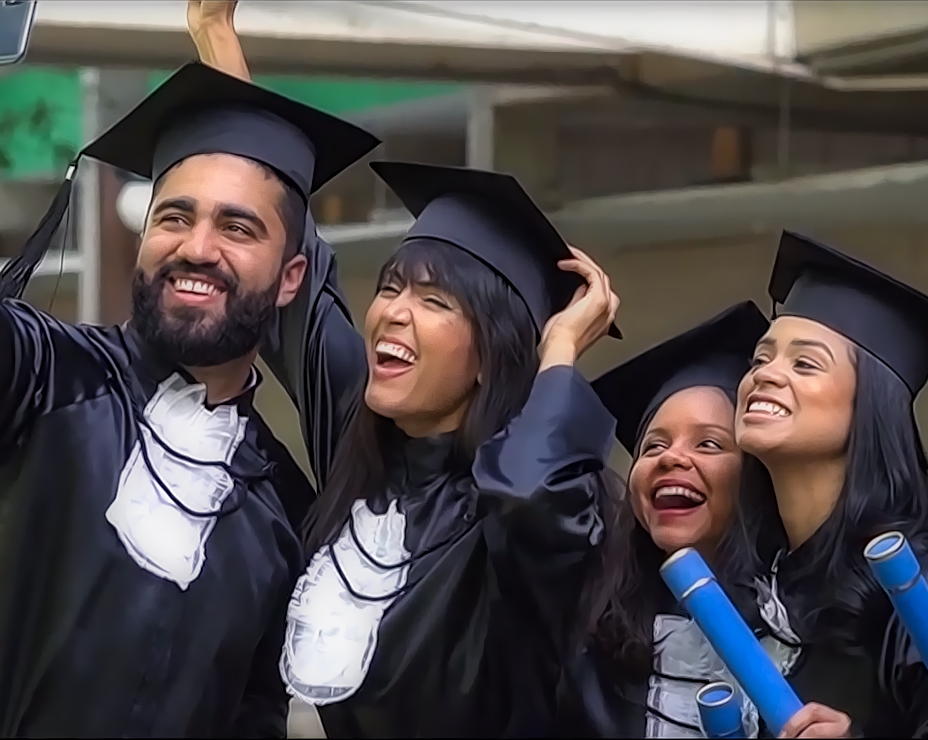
[(313, 348)]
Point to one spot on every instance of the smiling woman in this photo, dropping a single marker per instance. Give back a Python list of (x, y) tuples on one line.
[(463, 501), (641, 660), (827, 409)]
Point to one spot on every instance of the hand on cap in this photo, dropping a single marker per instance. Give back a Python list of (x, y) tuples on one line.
[(587, 318), (203, 13), (817, 720)]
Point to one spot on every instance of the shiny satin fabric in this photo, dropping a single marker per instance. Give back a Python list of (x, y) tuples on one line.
[(473, 647), (317, 356), (882, 684), (92, 645)]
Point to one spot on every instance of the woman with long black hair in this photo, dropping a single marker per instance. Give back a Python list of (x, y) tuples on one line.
[(450, 539), (827, 409), (456, 518), (640, 659)]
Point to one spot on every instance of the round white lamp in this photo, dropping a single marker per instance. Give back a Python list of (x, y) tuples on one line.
[(132, 205)]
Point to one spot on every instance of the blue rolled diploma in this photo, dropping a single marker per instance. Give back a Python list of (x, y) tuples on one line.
[(694, 585), (900, 574), (720, 710)]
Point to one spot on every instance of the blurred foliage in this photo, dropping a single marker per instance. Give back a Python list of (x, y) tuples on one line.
[(38, 123)]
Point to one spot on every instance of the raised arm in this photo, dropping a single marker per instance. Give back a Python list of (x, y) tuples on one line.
[(541, 479), (317, 355), (211, 26), (313, 349)]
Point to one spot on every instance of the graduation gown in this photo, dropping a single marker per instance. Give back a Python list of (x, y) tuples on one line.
[(595, 700), (882, 686), (317, 356), (123, 610), (440, 608)]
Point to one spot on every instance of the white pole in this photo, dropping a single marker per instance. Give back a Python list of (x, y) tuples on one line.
[(89, 204)]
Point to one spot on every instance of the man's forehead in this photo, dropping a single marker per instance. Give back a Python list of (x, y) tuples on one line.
[(217, 177)]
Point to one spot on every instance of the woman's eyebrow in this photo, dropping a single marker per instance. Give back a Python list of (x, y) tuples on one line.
[(814, 343)]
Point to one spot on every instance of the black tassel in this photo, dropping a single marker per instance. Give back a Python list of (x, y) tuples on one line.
[(16, 274)]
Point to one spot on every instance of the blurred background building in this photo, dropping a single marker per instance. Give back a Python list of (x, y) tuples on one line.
[(671, 140)]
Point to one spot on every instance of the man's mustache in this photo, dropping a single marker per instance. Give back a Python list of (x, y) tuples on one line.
[(227, 282)]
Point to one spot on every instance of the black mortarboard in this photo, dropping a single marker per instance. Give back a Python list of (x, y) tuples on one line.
[(490, 216), (885, 317), (716, 354), (200, 110)]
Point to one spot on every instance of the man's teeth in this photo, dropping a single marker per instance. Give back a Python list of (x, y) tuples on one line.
[(395, 350), (766, 407), (195, 286), (679, 491)]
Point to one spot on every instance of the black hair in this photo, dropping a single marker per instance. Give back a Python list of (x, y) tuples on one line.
[(505, 339), (291, 207), (884, 489), (625, 591)]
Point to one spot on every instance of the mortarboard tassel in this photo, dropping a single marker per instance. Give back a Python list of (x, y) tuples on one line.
[(16, 274)]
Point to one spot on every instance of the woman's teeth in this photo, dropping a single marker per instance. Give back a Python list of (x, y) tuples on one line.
[(766, 407), (185, 285), (395, 351), (679, 491)]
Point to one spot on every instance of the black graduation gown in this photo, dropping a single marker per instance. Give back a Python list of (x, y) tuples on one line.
[(91, 644), (317, 356), (883, 688), (472, 644), (594, 700)]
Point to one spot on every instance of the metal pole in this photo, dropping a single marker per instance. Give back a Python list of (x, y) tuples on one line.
[(89, 204), (480, 128)]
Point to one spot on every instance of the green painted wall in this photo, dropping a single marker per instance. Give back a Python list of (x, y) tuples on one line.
[(342, 96), (40, 111)]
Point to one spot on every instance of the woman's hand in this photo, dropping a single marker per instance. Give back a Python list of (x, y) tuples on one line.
[(591, 311), (816, 720), (210, 13)]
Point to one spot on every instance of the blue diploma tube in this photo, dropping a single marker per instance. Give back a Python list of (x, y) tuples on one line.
[(900, 574), (720, 710), (695, 587)]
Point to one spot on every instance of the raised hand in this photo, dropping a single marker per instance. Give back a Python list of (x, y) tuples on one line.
[(587, 318)]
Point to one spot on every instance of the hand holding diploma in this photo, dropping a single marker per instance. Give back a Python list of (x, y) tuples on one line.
[(694, 585)]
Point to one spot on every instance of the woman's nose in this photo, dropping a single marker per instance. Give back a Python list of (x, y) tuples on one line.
[(673, 457), (769, 373), (399, 310)]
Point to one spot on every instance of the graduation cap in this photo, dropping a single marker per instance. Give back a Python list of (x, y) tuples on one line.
[(200, 110), (490, 216), (715, 354), (885, 317)]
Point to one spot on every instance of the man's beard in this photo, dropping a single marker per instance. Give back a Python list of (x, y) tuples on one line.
[(190, 336)]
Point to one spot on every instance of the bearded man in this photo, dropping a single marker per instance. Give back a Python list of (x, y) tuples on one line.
[(147, 515)]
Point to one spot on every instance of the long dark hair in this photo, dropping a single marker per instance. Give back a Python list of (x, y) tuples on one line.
[(625, 591), (884, 489), (506, 341)]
